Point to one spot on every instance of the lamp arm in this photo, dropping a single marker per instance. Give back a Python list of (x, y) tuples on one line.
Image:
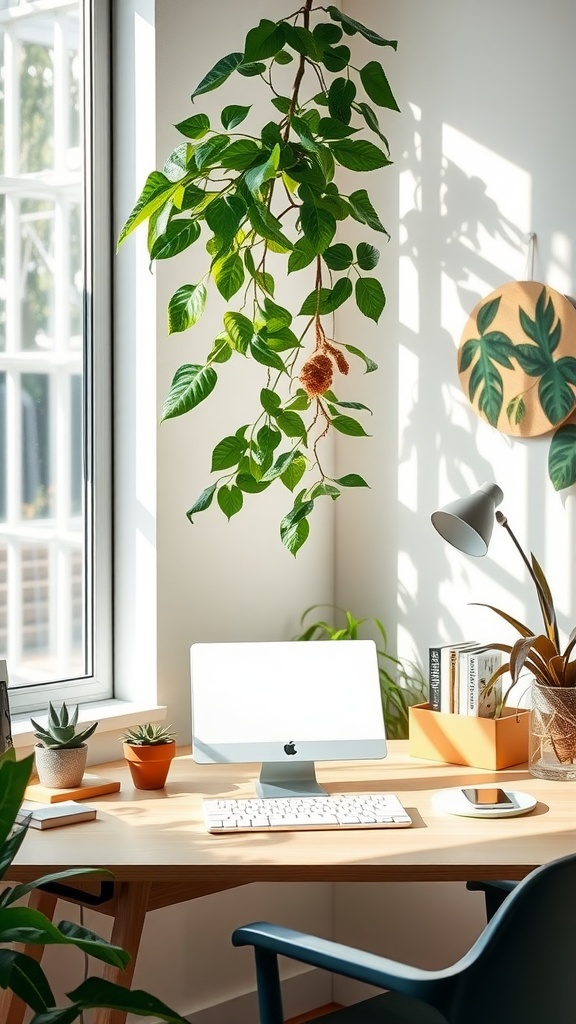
[(547, 609)]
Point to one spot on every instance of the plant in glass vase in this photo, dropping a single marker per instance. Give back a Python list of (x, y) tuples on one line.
[(553, 669)]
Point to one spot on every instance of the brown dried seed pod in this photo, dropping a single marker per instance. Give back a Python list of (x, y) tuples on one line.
[(316, 374)]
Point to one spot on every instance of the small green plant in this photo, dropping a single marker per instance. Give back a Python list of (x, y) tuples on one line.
[(148, 735), (60, 731), (22, 974), (401, 682)]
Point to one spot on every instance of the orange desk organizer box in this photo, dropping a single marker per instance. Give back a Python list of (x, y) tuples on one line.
[(465, 739)]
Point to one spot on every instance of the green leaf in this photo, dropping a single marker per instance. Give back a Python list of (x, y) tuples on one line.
[(301, 39), (281, 465), (263, 41), (338, 257), (370, 297), (218, 74), (240, 330), (486, 314), (336, 58), (208, 153), (264, 281), (270, 401), (369, 363), (265, 355), (186, 307), (249, 484), (256, 176), (304, 134), (221, 350), (516, 410), (283, 57), (486, 380), (326, 33), (224, 217), (98, 992), (268, 226), (329, 128), (562, 457), (367, 256), (351, 480), (233, 115), (276, 316), (318, 225), (229, 275), (25, 977), (373, 123), (363, 210), (228, 453), (467, 353), (291, 424), (296, 470), (325, 490), (356, 26), (191, 384), (301, 255), (156, 192), (341, 95), (268, 439), (202, 503), (178, 236), (282, 103), (359, 154), (293, 537), (179, 162), (240, 154), (327, 300), (556, 396), (348, 425), (376, 84), (252, 70), (194, 127)]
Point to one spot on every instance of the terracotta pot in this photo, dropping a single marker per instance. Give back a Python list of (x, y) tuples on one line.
[(61, 768), (149, 763)]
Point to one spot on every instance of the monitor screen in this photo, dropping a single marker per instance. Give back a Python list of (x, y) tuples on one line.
[(286, 704)]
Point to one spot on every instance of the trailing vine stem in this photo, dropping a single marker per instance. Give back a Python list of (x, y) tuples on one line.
[(217, 194)]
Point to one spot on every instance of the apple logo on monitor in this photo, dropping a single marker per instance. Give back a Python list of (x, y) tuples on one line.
[(290, 748)]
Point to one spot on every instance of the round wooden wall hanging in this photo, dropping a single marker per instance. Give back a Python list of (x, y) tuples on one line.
[(517, 358)]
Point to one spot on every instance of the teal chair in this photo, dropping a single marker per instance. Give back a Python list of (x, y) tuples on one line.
[(521, 970)]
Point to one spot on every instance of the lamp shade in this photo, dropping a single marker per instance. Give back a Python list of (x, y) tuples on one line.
[(467, 522)]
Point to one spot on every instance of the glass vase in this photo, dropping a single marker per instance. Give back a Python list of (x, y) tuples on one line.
[(552, 753)]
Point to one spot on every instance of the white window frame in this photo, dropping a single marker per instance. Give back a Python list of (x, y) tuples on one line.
[(98, 249)]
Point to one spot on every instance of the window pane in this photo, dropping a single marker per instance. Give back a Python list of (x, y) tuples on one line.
[(46, 346)]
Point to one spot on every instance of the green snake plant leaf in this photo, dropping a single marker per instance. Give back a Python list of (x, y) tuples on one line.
[(562, 457)]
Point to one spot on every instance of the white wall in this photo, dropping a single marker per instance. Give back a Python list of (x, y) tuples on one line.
[(484, 154)]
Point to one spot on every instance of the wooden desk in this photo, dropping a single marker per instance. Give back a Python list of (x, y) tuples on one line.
[(157, 848)]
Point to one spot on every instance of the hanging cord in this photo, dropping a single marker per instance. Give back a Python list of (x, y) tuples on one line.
[(530, 257)]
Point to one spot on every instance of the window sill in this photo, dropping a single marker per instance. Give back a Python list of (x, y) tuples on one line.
[(113, 716)]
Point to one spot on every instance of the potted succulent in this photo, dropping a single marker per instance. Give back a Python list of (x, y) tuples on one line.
[(61, 750), (401, 682), (149, 749), (553, 670), (20, 973)]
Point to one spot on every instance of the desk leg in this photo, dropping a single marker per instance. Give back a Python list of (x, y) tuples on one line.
[(12, 1008), (131, 908)]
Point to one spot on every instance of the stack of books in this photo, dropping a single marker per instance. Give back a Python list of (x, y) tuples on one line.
[(458, 677)]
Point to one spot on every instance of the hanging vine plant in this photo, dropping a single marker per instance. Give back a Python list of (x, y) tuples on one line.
[(251, 199)]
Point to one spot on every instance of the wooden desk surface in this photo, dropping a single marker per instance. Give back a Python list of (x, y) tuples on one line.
[(153, 837)]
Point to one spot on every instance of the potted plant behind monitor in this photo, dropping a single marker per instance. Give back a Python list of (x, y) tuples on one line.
[(61, 750), (22, 974), (401, 682), (149, 750)]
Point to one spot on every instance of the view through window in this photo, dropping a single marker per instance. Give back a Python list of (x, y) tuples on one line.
[(47, 342)]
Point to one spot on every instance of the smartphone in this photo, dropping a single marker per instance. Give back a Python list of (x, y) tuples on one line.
[(489, 797)]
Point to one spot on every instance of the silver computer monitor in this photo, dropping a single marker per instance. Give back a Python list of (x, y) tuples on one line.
[(286, 705)]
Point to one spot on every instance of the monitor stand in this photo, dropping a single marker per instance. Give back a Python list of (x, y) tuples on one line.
[(278, 779)]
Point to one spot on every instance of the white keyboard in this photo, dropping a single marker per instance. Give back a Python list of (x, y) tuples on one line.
[(295, 813)]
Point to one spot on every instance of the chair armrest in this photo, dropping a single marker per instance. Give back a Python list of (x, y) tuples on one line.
[(348, 961)]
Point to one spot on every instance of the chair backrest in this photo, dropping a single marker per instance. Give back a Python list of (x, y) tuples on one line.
[(522, 969)]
